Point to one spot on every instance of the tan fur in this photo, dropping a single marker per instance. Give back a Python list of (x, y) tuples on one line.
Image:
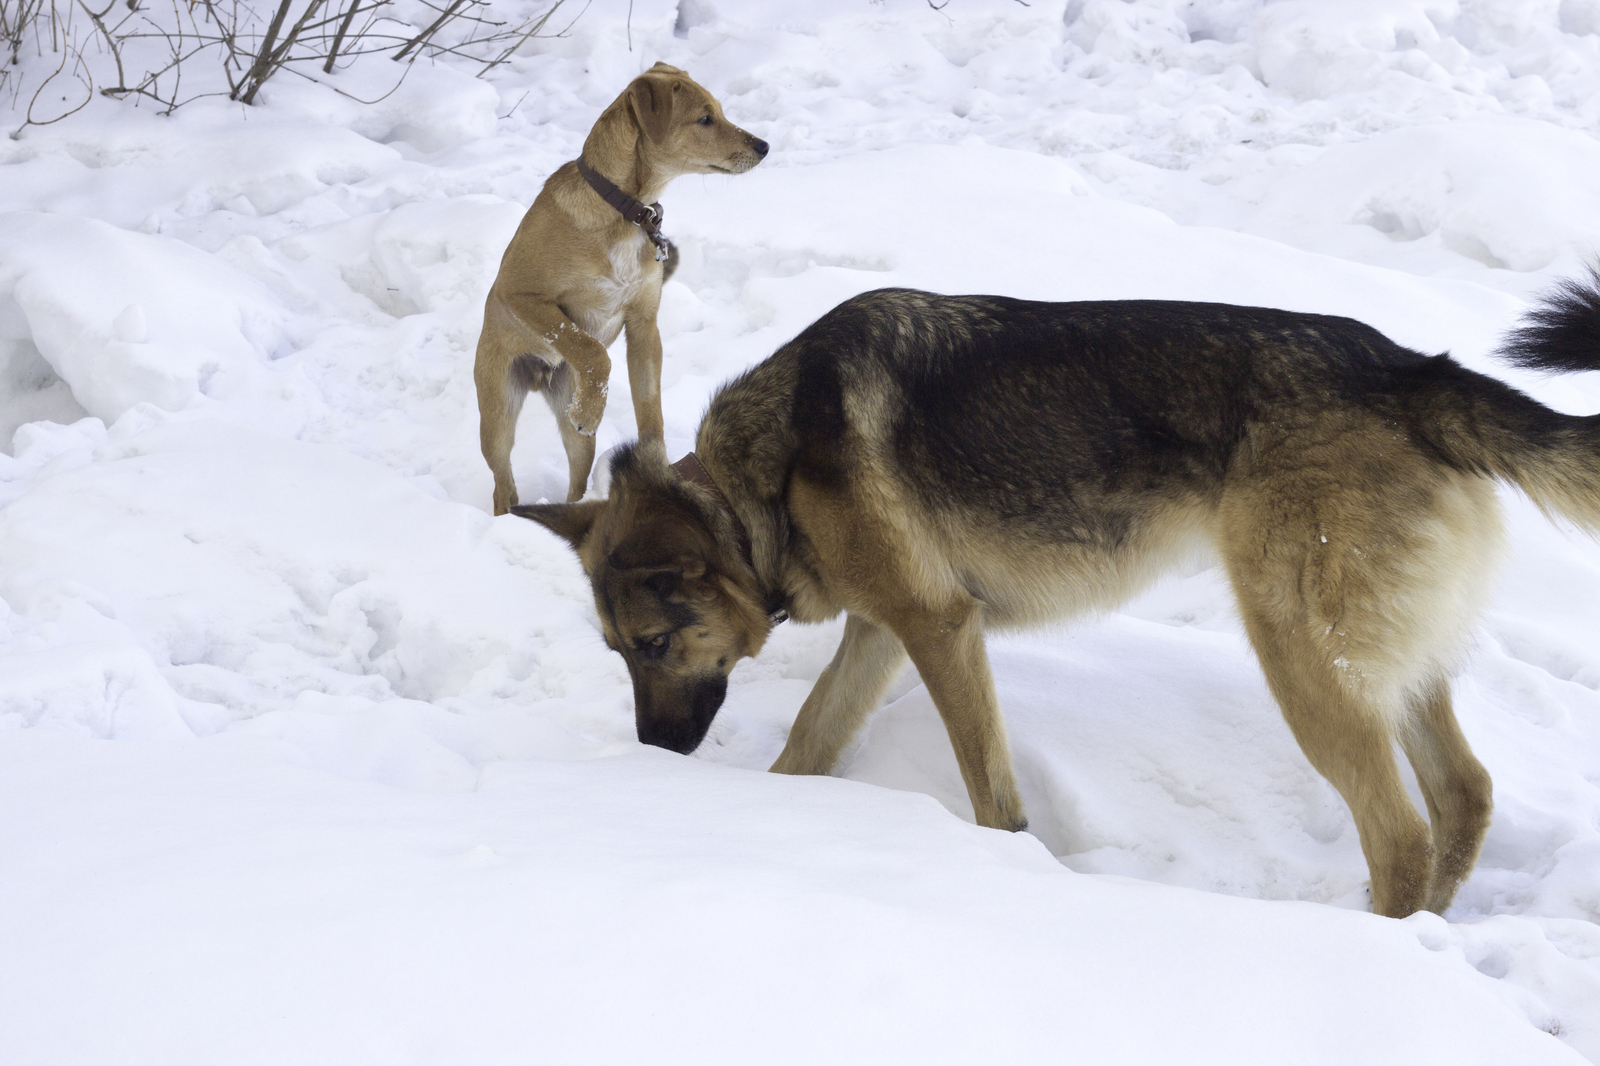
[(577, 274)]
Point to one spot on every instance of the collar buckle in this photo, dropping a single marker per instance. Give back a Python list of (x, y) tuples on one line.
[(647, 217)]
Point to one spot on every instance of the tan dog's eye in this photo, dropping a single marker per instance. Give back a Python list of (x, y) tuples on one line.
[(655, 647), (706, 120)]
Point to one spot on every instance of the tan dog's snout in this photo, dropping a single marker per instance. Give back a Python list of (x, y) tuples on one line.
[(755, 153), (678, 118)]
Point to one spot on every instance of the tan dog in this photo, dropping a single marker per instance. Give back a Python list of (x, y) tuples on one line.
[(583, 268)]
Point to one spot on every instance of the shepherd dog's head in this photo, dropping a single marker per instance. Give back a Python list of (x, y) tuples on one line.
[(674, 593)]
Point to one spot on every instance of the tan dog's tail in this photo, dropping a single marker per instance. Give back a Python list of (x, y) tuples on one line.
[(1477, 423)]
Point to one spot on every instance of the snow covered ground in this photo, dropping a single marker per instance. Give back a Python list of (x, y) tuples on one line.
[(306, 758)]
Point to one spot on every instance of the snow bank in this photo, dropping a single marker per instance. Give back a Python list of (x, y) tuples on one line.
[(579, 911), (1511, 194), (125, 318), (1311, 49)]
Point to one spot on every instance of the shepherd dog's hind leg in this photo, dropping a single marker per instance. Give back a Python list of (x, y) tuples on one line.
[(1455, 785), (1329, 587), (1348, 740), (1360, 563)]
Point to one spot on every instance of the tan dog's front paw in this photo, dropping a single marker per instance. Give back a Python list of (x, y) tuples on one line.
[(587, 407)]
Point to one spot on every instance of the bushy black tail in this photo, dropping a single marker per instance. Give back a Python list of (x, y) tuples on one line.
[(1563, 332), (1481, 424)]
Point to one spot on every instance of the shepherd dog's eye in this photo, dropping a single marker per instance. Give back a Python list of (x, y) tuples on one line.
[(655, 647), (706, 120)]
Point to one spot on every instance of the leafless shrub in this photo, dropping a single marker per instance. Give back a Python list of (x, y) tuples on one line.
[(36, 29), (189, 49)]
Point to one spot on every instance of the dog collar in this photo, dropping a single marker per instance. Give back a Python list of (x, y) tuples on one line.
[(646, 216), (690, 468)]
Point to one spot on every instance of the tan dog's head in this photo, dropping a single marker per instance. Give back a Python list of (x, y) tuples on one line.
[(674, 594), (680, 127)]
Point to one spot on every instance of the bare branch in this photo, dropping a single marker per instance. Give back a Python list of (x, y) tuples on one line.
[(422, 38), (78, 73), (338, 38), (259, 70), (519, 39)]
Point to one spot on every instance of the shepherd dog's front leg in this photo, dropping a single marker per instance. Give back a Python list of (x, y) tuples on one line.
[(947, 648), (848, 690)]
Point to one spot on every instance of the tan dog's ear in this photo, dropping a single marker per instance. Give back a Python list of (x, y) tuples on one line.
[(651, 100), (571, 520)]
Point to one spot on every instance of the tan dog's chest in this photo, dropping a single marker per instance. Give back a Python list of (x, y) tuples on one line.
[(601, 309)]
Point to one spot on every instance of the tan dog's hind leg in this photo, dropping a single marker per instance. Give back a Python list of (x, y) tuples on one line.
[(498, 408), (848, 690), (947, 648), (1455, 785), (519, 326), (500, 398)]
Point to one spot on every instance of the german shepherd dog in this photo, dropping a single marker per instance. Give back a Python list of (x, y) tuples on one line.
[(938, 465)]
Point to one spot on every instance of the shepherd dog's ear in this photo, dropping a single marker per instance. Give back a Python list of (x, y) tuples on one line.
[(651, 98), (571, 520)]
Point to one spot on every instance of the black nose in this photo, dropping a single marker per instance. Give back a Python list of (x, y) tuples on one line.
[(671, 736), (761, 148), (679, 728)]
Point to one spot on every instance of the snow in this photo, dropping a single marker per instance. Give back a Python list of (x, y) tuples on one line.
[(306, 758)]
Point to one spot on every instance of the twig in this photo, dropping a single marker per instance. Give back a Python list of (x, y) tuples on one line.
[(533, 31), (422, 38), (88, 85)]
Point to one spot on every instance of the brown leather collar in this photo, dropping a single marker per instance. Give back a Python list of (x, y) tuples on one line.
[(690, 468), (646, 216)]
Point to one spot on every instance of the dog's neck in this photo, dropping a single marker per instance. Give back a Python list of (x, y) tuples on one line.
[(748, 440), (690, 468), (622, 160), (646, 216)]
